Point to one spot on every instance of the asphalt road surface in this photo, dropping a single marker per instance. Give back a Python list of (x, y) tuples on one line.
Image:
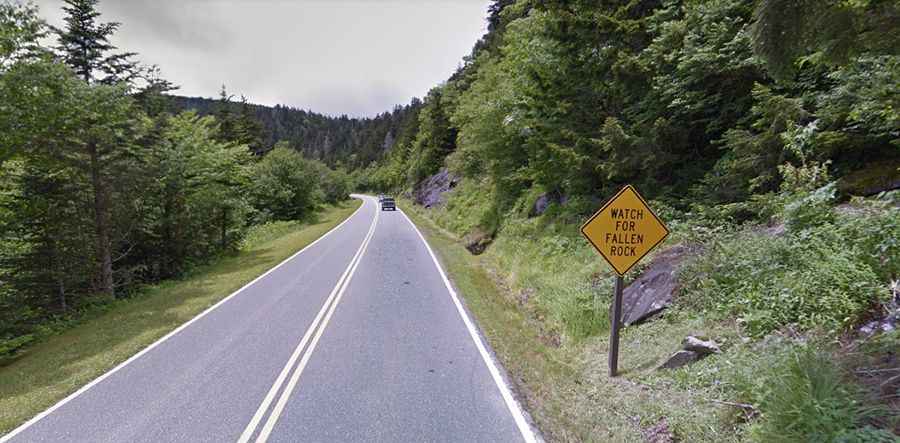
[(359, 337)]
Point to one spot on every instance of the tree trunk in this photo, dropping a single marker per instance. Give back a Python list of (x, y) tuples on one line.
[(61, 293), (224, 238), (101, 225), (56, 269)]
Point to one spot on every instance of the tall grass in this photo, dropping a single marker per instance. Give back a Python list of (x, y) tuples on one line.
[(823, 275), (802, 395)]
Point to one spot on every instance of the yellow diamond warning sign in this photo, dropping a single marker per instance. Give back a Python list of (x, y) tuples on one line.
[(624, 230)]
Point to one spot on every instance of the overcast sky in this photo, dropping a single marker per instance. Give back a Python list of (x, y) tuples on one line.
[(355, 57)]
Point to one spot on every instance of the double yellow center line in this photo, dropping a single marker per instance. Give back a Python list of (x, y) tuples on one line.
[(315, 331)]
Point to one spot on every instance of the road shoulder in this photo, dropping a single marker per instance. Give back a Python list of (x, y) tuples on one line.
[(500, 324), (63, 364)]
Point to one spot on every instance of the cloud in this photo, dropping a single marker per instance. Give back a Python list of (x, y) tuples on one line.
[(355, 57)]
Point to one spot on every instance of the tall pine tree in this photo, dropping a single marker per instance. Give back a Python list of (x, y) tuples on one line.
[(84, 46)]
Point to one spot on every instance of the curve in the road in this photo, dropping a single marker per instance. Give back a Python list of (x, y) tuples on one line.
[(362, 313)]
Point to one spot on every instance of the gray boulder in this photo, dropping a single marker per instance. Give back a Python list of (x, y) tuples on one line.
[(653, 290), (886, 324), (681, 358), (702, 347), (692, 349)]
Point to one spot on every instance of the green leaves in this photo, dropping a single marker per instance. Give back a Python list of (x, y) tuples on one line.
[(790, 33), (823, 274), (285, 185)]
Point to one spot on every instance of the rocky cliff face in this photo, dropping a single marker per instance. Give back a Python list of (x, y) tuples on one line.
[(429, 193)]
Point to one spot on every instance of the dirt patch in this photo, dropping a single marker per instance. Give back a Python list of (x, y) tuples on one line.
[(658, 433)]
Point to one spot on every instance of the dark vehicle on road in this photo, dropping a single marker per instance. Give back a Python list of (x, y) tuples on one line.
[(388, 203)]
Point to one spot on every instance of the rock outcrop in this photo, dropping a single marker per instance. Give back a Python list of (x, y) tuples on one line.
[(477, 241), (429, 193), (544, 201)]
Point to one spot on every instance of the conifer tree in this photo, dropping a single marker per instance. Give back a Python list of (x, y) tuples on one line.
[(248, 129), (84, 45)]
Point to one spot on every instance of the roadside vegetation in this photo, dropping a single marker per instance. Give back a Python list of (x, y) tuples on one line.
[(105, 187), (791, 367), (67, 358), (764, 132)]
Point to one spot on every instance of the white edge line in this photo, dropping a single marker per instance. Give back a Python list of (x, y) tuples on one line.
[(251, 427), (511, 403), (269, 426), (85, 388)]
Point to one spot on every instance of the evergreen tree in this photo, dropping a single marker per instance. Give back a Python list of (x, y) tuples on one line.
[(225, 116), (248, 130), (84, 45)]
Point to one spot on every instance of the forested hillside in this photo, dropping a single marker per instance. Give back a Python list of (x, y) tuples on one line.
[(104, 187), (691, 101), (351, 142), (766, 133)]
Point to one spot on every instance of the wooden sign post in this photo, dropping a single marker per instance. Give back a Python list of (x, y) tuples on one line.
[(623, 231)]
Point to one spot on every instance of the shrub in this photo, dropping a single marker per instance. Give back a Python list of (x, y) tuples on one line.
[(802, 396), (810, 209), (874, 229), (285, 185), (810, 280)]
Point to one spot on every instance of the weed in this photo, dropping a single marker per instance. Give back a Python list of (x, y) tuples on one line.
[(802, 395)]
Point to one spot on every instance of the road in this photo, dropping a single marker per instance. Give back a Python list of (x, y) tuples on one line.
[(358, 337)]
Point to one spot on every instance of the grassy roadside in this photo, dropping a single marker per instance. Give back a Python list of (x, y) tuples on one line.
[(564, 386), (53, 369), (788, 371), (539, 372)]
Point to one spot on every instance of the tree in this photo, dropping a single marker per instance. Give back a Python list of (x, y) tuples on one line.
[(436, 136), (198, 198), (22, 30), (225, 116), (84, 45), (285, 185), (20, 33), (786, 32), (248, 130)]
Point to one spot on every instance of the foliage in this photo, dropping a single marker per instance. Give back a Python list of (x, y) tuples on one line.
[(284, 185), (335, 183), (787, 33), (874, 227), (84, 45), (825, 272), (802, 395), (102, 190), (198, 208), (20, 32)]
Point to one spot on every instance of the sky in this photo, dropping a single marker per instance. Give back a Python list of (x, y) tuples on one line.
[(354, 57)]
